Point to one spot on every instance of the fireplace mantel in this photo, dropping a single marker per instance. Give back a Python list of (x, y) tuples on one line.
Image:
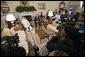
[(25, 14)]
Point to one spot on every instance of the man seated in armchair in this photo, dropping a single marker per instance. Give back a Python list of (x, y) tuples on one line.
[(37, 21), (26, 23)]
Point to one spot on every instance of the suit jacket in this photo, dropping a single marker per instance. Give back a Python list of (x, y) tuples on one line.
[(62, 17), (37, 21), (69, 46)]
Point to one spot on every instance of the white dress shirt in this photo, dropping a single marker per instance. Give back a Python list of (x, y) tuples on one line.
[(57, 16)]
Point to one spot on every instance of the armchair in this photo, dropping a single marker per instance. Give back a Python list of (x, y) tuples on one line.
[(53, 26)]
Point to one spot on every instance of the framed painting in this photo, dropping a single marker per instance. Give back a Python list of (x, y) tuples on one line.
[(24, 3), (5, 10), (62, 5), (41, 6), (4, 3)]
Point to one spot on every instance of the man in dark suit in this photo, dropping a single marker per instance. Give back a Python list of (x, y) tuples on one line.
[(37, 21)]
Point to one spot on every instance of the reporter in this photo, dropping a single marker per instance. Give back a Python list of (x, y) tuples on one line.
[(68, 41)]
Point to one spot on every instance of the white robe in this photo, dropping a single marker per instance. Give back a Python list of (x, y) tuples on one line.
[(26, 24)]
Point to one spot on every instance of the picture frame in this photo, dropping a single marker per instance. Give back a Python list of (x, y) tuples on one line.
[(41, 5), (4, 3), (24, 3), (5, 10), (62, 5)]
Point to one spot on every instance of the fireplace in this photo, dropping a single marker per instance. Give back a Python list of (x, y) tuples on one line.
[(28, 15)]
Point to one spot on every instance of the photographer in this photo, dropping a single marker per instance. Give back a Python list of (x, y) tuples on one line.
[(67, 40), (10, 46)]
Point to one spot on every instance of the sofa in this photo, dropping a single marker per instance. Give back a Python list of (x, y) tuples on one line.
[(53, 26)]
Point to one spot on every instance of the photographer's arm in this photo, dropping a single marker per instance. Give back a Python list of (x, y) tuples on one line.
[(31, 50)]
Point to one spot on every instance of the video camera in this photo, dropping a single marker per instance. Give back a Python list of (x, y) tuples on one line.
[(80, 27), (11, 40), (65, 22), (81, 30)]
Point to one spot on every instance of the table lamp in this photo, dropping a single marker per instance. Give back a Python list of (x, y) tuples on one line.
[(50, 14), (11, 18)]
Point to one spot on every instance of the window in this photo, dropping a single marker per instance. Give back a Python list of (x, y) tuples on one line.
[(81, 4)]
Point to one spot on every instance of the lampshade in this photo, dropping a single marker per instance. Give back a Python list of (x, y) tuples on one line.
[(50, 13), (10, 17)]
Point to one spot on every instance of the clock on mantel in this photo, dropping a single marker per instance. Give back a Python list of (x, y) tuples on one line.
[(61, 6)]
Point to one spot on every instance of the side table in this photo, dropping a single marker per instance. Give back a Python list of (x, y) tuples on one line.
[(18, 27)]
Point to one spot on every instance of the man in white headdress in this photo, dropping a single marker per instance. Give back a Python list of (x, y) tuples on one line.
[(26, 24)]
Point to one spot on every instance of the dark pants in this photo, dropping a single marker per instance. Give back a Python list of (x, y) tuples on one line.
[(37, 24), (33, 50)]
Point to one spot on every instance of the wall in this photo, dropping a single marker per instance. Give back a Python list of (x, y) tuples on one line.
[(51, 5), (75, 4), (3, 23), (12, 5)]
